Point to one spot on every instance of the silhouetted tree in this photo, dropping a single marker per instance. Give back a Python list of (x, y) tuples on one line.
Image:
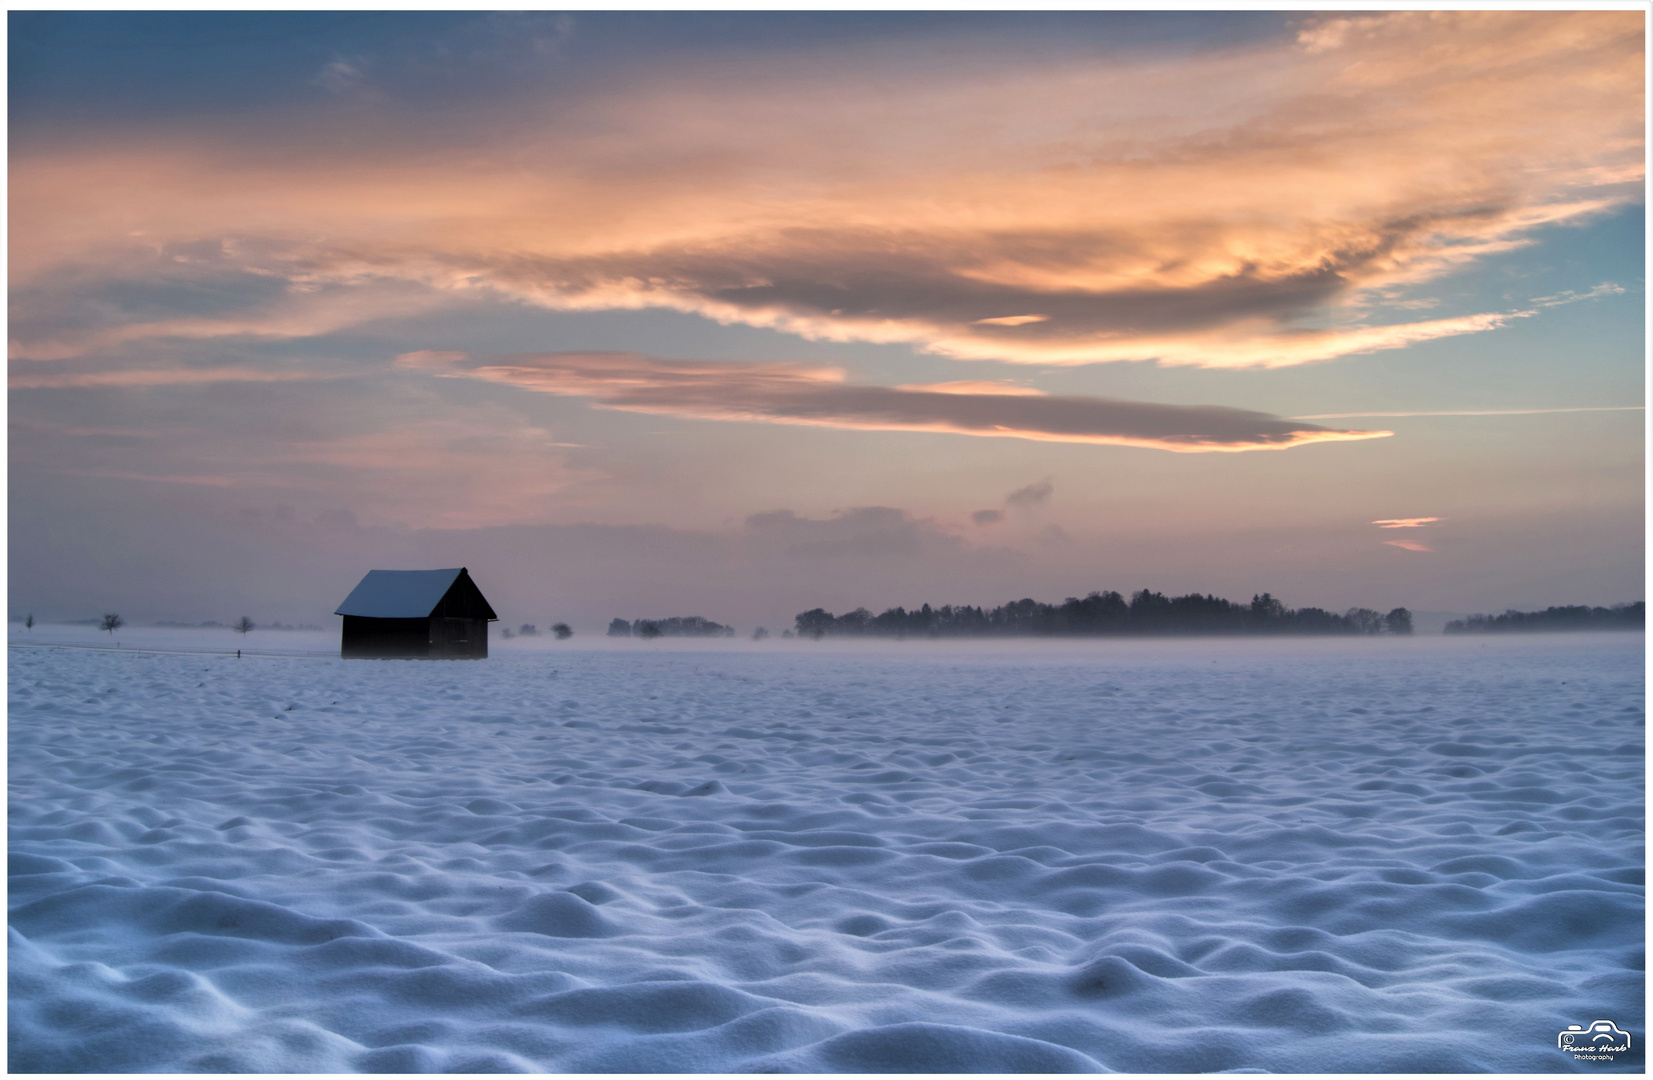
[(648, 629), (28, 623), (1363, 620), (619, 628), (1266, 609), (562, 631), (111, 622), (759, 634), (854, 622), (815, 623), (243, 626), (1398, 621), (528, 629)]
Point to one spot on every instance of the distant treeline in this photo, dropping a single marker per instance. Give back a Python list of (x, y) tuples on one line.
[(680, 626), (1146, 613), (1576, 617)]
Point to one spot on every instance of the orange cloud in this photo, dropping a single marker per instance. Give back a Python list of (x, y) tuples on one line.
[(1409, 545), (782, 393), (1012, 320), (975, 386), (1404, 523), (1236, 208)]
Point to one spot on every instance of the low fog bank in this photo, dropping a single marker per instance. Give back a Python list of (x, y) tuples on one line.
[(165, 638), (546, 648)]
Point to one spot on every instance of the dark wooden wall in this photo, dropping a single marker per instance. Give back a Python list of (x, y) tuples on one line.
[(437, 637), (364, 637), (458, 638)]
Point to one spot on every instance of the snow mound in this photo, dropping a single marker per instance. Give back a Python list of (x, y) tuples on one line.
[(1415, 856)]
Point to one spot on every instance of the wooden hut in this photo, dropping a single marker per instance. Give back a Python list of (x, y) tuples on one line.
[(416, 614)]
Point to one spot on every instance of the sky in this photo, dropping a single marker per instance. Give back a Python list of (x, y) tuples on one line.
[(641, 314)]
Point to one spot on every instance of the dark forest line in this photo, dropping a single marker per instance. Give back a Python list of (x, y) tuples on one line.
[(677, 626), (1104, 613), (1576, 617)]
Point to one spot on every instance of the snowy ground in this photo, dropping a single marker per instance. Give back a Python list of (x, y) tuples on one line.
[(1376, 855)]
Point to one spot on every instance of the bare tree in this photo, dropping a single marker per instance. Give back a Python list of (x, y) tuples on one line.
[(243, 625), (647, 628), (28, 623), (759, 634), (562, 630), (111, 622)]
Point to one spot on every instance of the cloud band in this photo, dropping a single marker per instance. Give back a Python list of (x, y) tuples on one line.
[(783, 393)]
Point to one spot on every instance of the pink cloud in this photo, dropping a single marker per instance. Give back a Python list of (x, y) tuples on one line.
[(1409, 545), (975, 386), (783, 393), (1404, 523), (1012, 320)]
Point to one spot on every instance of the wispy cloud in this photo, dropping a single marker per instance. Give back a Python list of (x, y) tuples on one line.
[(35, 380), (975, 386), (785, 393), (1470, 412), (1023, 499), (1031, 495), (1606, 288), (342, 77), (301, 309), (1232, 208), (1407, 523)]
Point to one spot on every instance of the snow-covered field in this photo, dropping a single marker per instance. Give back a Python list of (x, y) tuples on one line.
[(1375, 855)]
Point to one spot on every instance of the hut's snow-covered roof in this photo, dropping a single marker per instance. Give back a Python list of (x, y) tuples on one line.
[(399, 594)]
